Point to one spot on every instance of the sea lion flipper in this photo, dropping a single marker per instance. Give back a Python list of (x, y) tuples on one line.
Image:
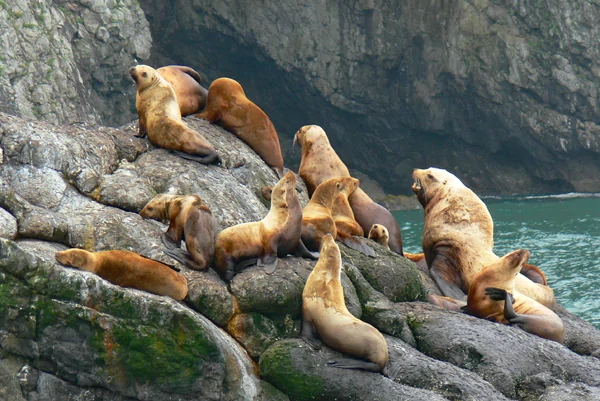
[(269, 263), (142, 131), (308, 333), (534, 274), (441, 270), (358, 245), (302, 251), (183, 257), (211, 158), (350, 363), (169, 242)]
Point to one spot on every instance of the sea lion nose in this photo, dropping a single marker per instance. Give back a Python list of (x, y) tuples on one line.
[(132, 70)]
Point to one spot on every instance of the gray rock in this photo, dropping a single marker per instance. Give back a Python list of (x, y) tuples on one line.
[(8, 225)]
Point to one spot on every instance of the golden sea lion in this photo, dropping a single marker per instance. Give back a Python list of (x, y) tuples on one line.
[(326, 318), (458, 236), (160, 118), (278, 234), (320, 162), (187, 84), (128, 269), (190, 220), (380, 234), (228, 106), (492, 296)]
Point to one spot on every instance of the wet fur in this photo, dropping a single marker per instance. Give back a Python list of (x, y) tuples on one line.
[(190, 220), (326, 318), (228, 106), (160, 117), (187, 84), (320, 162), (458, 236), (128, 269)]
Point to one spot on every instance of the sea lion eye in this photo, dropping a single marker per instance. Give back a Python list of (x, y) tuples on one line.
[(144, 74), (430, 176)]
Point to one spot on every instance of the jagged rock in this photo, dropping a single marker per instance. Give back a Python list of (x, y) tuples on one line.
[(501, 354), (67, 61), (503, 94), (8, 225), (82, 328), (295, 368)]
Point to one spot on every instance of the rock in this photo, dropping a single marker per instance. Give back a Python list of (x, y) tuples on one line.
[(208, 294), (88, 331), (8, 225), (501, 354), (294, 367), (10, 390)]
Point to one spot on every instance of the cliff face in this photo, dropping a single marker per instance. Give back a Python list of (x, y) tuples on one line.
[(67, 61), (504, 94), (68, 334)]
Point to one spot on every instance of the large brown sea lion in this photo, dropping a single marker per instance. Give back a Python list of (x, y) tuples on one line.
[(190, 220), (278, 234), (128, 269), (492, 296), (326, 318), (160, 118), (458, 236), (320, 162), (228, 106), (187, 84)]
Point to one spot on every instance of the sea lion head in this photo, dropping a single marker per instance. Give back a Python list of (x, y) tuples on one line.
[(430, 181), (144, 76), (329, 255), (279, 194), (380, 234), (503, 272), (158, 207), (308, 135), (72, 257)]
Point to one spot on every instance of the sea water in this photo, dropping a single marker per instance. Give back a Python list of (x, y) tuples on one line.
[(562, 232)]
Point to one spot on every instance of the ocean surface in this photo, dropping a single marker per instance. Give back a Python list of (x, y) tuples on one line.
[(562, 232)]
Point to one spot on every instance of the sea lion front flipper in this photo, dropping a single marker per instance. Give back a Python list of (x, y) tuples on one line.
[(308, 333), (142, 131), (268, 262), (440, 271), (534, 274), (169, 242), (208, 159), (357, 245), (350, 363), (302, 251)]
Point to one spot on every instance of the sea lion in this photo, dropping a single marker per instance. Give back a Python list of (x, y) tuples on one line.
[(320, 162), (346, 226), (190, 220), (380, 234), (325, 316), (160, 118), (492, 296), (128, 269), (187, 84), (458, 236), (228, 106), (277, 235)]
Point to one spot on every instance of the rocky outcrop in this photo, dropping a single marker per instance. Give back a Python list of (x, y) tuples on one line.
[(505, 95), (67, 333), (67, 61)]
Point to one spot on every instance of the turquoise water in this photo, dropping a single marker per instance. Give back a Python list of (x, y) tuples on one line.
[(562, 232)]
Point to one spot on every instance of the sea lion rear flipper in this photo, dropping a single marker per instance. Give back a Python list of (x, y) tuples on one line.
[(534, 274), (357, 244), (350, 363), (446, 303), (440, 271), (182, 257), (268, 262), (208, 159), (308, 333), (302, 251), (169, 242)]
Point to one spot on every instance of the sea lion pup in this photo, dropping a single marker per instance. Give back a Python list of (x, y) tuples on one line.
[(160, 118), (190, 220), (492, 296), (277, 235), (380, 234), (228, 105), (128, 269), (187, 84), (325, 316), (458, 236), (320, 162)]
